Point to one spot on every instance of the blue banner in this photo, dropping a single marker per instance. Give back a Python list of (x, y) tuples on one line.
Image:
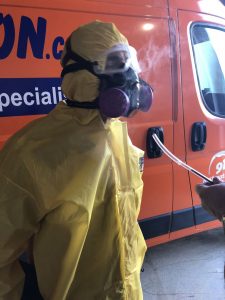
[(29, 96)]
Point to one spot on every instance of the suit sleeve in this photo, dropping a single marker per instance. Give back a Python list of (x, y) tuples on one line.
[(18, 222), (57, 248)]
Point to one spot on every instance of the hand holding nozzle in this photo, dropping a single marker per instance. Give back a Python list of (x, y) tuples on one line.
[(211, 192), (213, 198)]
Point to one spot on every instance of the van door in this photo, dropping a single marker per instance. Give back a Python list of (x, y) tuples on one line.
[(202, 45)]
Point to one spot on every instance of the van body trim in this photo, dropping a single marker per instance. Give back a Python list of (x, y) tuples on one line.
[(177, 220), (201, 215), (155, 226)]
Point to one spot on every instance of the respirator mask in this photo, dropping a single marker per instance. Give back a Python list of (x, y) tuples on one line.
[(121, 91)]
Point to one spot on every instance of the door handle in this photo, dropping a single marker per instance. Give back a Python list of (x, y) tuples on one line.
[(153, 150), (198, 136)]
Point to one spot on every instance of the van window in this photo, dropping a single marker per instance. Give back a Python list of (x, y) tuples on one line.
[(208, 45)]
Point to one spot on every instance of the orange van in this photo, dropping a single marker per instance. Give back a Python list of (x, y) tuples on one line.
[(180, 47)]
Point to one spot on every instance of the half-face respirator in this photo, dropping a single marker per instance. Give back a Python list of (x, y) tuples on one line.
[(121, 90)]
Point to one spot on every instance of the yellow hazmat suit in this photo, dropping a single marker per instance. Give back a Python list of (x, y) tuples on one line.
[(71, 183)]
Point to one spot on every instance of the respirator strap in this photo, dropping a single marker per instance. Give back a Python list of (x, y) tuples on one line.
[(74, 68), (80, 62), (86, 105)]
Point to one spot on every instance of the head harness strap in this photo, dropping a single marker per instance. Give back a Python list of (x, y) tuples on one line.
[(80, 62), (89, 105)]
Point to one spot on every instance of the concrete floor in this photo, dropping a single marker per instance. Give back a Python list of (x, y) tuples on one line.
[(189, 268)]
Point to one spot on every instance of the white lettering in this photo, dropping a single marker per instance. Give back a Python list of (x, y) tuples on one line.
[(6, 103), (30, 98), (46, 99), (26, 101), (220, 166), (60, 94), (37, 96), (54, 95), (16, 99)]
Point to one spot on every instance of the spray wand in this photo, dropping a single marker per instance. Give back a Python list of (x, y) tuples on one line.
[(184, 165)]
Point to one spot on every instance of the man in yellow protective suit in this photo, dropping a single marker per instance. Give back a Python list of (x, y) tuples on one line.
[(71, 181)]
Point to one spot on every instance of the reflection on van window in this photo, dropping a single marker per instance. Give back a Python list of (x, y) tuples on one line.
[(209, 54)]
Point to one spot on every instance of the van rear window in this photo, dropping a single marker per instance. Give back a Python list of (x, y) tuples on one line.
[(208, 43)]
